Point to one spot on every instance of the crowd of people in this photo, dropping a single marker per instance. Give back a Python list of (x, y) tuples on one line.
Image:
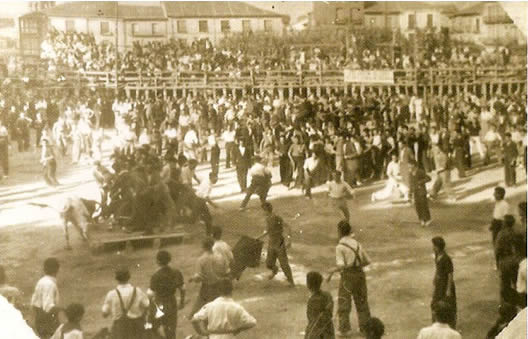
[(342, 141), (80, 52)]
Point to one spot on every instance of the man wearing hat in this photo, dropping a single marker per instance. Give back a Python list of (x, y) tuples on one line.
[(260, 182)]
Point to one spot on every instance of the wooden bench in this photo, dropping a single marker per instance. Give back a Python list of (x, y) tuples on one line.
[(127, 242)]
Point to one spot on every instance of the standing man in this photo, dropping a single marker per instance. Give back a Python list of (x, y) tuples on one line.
[(350, 260), (45, 300), (210, 272), (222, 318), (199, 207), (4, 150), (222, 249), (277, 244), (126, 304), (419, 192), (443, 283), (319, 309), (510, 156), (443, 176), (164, 284), (440, 328), (47, 160), (242, 160), (501, 209), (260, 182), (338, 191), (229, 139)]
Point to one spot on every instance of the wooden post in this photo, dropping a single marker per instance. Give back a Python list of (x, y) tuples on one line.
[(290, 92)]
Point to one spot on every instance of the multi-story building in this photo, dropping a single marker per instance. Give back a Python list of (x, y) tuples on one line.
[(162, 20), (133, 22), (326, 13), (213, 20), (408, 16), (485, 22)]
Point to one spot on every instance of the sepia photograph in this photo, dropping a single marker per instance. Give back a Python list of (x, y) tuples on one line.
[(263, 169)]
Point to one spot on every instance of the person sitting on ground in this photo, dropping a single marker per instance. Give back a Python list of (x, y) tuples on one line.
[(319, 309), (72, 328)]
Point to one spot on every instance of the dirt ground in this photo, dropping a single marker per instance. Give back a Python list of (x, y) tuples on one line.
[(399, 280)]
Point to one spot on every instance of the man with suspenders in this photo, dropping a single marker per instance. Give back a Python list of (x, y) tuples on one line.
[(350, 260)]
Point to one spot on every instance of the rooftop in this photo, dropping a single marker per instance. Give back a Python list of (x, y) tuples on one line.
[(212, 9), (105, 9)]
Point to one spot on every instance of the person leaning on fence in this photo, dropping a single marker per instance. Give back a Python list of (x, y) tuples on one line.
[(350, 261), (127, 305)]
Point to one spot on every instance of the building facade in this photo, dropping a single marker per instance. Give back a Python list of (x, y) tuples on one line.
[(183, 20), (326, 13), (485, 22), (214, 20), (407, 16)]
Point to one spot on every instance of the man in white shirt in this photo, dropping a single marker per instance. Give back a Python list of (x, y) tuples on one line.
[(394, 181), (337, 191), (502, 208), (229, 139), (125, 300), (439, 329), (223, 318), (310, 166), (260, 182), (45, 300), (199, 206)]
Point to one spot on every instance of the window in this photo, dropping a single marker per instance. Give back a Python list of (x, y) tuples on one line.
[(70, 25), (429, 20), (203, 26), (340, 15), (105, 28), (356, 16), (135, 29), (181, 26), (395, 21), (225, 27), (412, 21), (246, 26), (156, 30), (477, 25), (268, 26)]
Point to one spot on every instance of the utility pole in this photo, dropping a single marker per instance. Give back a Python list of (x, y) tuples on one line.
[(116, 48)]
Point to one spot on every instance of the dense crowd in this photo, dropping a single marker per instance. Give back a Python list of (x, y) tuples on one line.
[(79, 52)]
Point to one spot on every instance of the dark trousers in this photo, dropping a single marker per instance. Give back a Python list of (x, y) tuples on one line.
[(169, 320), (298, 163), (353, 284), (4, 157), (215, 158), (351, 174), (50, 169), (45, 322), (280, 254), (460, 162), (308, 184), (229, 146), (285, 170), (201, 211), (23, 142), (258, 185), (509, 174), (242, 172), (422, 206)]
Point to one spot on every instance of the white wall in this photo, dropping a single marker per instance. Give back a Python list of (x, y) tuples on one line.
[(214, 27)]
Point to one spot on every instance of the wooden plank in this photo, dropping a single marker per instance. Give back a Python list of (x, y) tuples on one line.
[(133, 238)]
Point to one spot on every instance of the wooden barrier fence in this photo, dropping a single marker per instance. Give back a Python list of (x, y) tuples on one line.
[(482, 81)]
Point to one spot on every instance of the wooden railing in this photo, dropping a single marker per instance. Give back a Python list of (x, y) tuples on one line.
[(289, 79)]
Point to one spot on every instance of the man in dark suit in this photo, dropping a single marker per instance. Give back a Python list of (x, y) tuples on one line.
[(242, 159), (510, 156)]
